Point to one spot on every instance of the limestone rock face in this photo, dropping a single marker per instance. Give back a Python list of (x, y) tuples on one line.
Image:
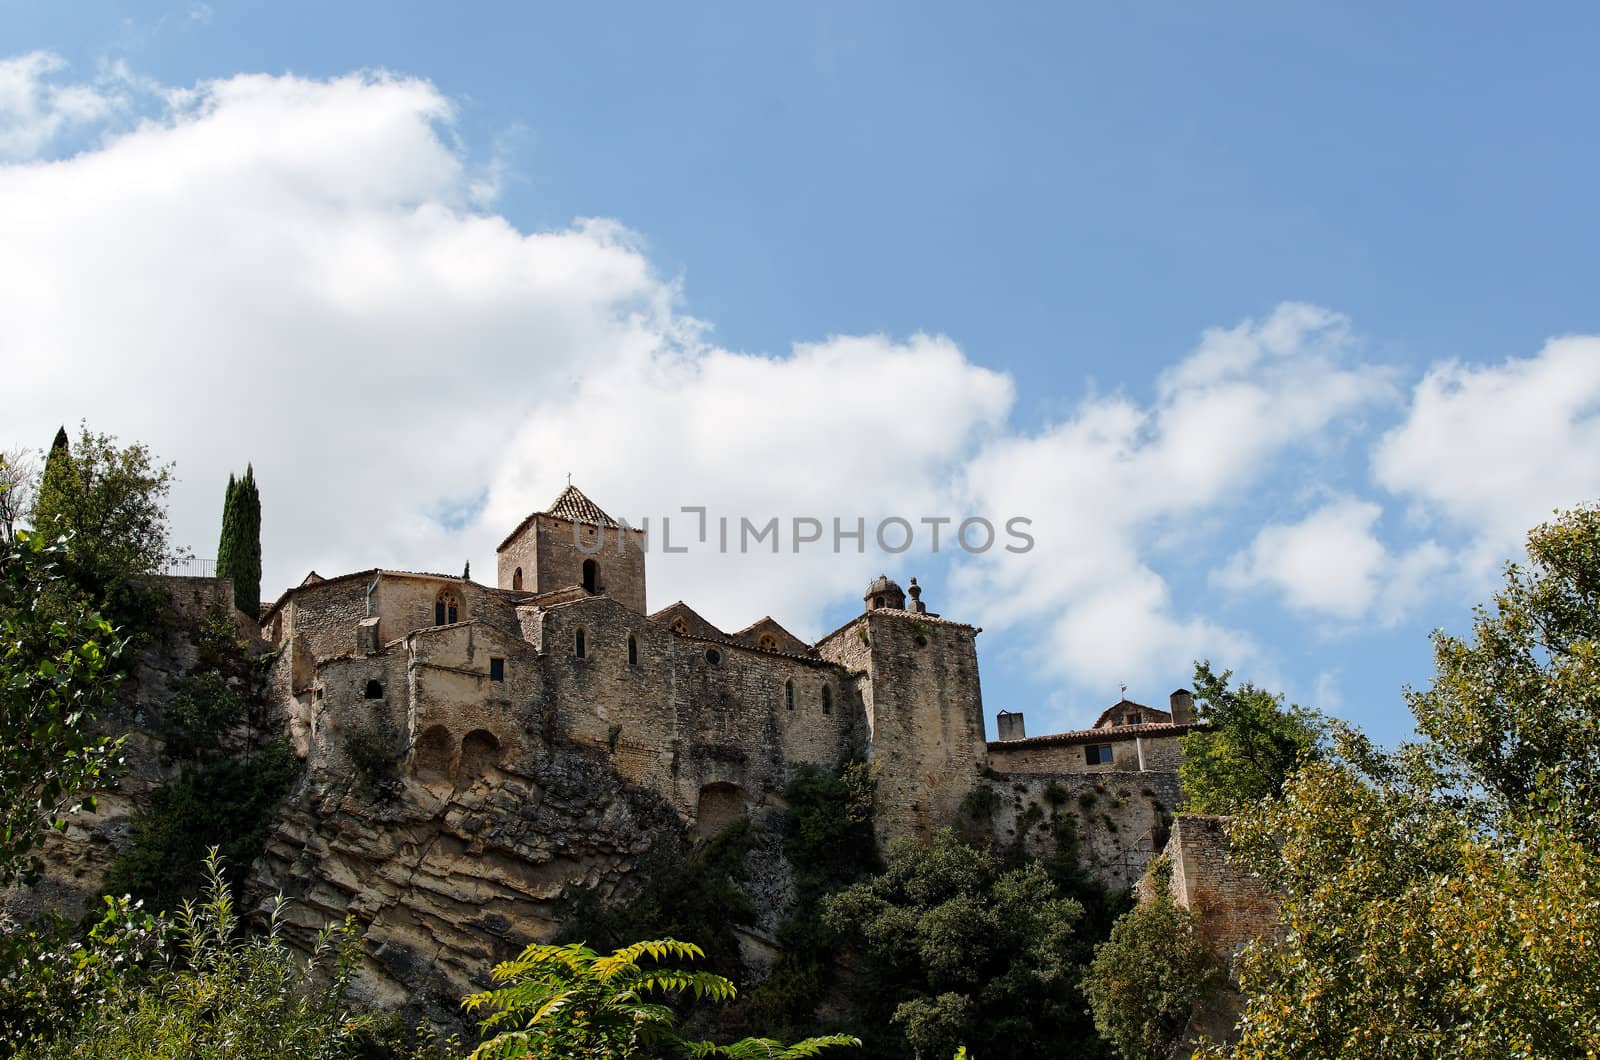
[(446, 879)]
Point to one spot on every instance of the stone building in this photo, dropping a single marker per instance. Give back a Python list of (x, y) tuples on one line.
[(459, 679)]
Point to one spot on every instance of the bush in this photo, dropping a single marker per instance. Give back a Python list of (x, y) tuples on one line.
[(226, 804), (216, 994), (1146, 980)]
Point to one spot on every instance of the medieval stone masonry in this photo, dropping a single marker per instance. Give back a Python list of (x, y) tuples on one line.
[(466, 679)]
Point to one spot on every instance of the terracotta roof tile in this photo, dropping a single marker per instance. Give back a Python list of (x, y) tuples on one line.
[(1108, 734)]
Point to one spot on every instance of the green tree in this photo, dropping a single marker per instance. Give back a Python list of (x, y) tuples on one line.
[(1253, 744), (217, 992), (56, 673), (960, 950), (569, 1001), (1444, 899), (1146, 980), (110, 504), (239, 548)]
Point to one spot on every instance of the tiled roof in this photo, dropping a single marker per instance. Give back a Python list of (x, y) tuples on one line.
[(1109, 734), (1126, 705), (910, 616), (573, 506), (368, 573)]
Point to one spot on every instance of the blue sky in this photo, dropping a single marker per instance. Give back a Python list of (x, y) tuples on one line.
[(1069, 196)]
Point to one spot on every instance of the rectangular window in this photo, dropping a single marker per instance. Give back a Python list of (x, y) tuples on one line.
[(1097, 754), (1133, 719), (497, 669)]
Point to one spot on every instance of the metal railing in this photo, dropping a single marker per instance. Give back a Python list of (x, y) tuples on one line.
[(191, 567)]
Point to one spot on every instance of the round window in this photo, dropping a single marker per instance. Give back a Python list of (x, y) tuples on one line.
[(713, 656)]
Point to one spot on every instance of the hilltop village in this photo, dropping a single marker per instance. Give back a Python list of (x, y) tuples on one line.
[(473, 678)]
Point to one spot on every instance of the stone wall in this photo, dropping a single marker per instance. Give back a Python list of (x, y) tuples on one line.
[(678, 722), (925, 714), (548, 554), (1045, 754), (1232, 905), (1120, 819)]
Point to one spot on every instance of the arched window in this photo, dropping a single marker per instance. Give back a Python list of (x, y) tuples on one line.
[(516, 578), (788, 695), (446, 608), (591, 576), (580, 645), (374, 690), (827, 700), (767, 642), (633, 651), (877, 601)]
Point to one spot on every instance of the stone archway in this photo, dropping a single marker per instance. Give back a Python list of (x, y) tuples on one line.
[(433, 754), (480, 752)]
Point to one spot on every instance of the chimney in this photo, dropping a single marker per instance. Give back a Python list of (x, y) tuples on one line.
[(1008, 725), (1182, 706)]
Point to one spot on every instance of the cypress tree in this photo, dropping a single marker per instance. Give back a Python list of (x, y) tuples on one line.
[(57, 488), (247, 558), (230, 517), (239, 549)]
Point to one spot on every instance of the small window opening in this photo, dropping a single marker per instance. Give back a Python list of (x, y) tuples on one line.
[(680, 626), (446, 609), (713, 656), (374, 690), (516, 578), (319, 693), (768, 642), (877, 601), (633, 651), (788, 695), (1133, 719), (827, 700), (497, 669), (580, 646), (1097, 754), (591, 576)]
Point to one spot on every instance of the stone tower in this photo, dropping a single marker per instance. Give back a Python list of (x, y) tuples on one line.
[(923, 706), (573, 544)]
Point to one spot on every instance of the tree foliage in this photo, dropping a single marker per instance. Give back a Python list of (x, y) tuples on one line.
[(205, 989), (569, 1001), (19, 473), (57, 657), (239, 548), (960, 950), (1146, 980), (109, 503), (1252, 746), (1444, 899)]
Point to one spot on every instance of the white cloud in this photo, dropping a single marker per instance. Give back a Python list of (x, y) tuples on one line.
[(1332, 564), (296, 272), (1105, 482), (1492, 451), (309, 274), (34, 111)]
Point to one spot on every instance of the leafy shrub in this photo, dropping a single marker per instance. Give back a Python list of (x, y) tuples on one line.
[(216, 993), (568, 1001), (226, 804), (957, 948), (1146, 980)]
